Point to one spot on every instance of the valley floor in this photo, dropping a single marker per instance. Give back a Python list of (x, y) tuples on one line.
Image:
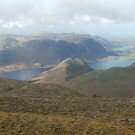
[(75, 116)]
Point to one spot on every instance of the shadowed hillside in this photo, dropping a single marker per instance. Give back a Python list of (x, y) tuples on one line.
[(114, 82)]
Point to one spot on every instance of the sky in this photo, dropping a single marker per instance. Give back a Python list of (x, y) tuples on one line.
[(95, 17)]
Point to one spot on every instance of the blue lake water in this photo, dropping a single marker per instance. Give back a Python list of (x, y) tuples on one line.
[(23, 74), (102, 65), (27, 74)]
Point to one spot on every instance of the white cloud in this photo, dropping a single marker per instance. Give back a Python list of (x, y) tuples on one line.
[(106, 21), (13, 24), (20, 23), (52, 13), (84, 19)]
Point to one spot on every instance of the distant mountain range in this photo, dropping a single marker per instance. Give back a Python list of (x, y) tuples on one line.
[(49, 48)]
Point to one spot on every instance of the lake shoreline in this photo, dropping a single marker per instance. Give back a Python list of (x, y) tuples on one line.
[(27, 72), (24, 74), (10, 68)]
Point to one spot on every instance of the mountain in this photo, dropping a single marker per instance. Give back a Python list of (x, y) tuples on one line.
[(76, 74), (66, 70), (69, 37), (106, 44), (49, 49), (7, 42), (114, 82)]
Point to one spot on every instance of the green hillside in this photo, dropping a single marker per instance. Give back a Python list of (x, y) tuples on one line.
[(114, 82), (26, 89)]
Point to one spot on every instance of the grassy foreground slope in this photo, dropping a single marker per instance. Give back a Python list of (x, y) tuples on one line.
[(114, 82), (50, 109)]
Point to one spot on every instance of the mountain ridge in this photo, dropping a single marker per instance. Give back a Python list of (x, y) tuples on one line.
[(64, 71)]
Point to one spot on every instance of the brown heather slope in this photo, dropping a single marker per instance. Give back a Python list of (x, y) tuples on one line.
[(66, 70), (80, 116)]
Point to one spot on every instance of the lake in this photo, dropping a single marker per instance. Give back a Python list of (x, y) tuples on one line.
[(102, 65), (23, 74), (27, 74)]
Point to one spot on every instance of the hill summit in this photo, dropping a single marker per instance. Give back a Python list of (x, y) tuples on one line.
[(64, 71)]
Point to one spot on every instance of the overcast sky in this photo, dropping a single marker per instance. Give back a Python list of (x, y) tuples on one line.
[(96, 17)]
